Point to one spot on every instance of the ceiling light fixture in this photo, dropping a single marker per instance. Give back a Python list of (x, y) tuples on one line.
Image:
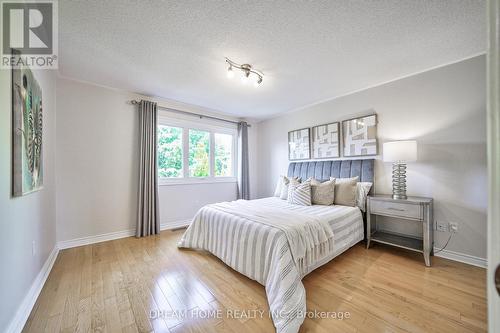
[(247, 71), (244, 78), (230, 72)]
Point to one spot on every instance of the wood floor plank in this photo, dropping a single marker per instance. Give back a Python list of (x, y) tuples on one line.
[(70, 314), (84, 319), (54, 324), (119, 286), (97, 299), (112, 315)]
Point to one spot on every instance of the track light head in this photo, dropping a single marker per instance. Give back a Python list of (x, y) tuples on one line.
[(230, 72), (244, 78), (258, 81), (247, 71)]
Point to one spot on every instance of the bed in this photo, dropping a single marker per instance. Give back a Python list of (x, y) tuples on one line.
[(276, 243)]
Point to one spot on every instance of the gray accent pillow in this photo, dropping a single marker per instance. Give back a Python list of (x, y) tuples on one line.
[(299, 193), (345, 191), (322, 193), (284, 189)]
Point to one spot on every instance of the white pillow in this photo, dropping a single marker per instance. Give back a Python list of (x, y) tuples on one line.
[(286, 182), (362, 193), (299, 193), (279, 186)]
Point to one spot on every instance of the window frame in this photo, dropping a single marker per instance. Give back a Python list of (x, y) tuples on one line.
[(186, 125)]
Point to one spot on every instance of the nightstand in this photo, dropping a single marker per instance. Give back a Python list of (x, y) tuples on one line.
[(414, 208)]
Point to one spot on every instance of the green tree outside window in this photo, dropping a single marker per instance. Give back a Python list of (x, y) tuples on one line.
[(169, 152), (199, 153)]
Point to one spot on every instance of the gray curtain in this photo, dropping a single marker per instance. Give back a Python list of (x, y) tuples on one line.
[(243, 175), (148, 217)]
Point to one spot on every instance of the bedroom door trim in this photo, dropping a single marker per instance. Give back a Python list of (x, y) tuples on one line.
[(493, 123)]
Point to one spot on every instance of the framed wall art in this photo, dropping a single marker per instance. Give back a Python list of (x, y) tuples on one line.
[(299, 144), (326, 141), (27, 135), (360, 136)]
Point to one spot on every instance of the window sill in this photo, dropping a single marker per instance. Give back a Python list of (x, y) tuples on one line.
[(194, 181)]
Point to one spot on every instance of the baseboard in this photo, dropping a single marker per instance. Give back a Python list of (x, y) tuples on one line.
[(461, 257), (94, 239), (67, 244), (175, 224), (24, 310)]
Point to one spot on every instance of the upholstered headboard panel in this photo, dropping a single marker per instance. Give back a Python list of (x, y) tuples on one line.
[(323, 170)]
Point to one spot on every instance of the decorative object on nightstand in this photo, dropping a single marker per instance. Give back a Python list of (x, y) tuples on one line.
[(399, 152), (417, 209)]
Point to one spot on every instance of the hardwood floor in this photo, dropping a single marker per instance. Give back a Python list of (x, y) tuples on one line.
[(122, 285)]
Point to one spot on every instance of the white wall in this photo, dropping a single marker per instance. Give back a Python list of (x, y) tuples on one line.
[(181, 202), (97, 162), (30, 218), (445, 111)]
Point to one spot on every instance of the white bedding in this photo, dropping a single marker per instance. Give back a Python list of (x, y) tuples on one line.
[(254, 246)]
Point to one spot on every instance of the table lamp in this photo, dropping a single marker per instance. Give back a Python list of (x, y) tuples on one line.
[(399, 153)]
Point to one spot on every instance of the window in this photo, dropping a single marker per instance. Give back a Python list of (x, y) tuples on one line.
[(169, 152), (195, 152), (223, 152), (199, 151)]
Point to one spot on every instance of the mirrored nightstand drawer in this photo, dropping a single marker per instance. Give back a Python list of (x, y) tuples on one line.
[(411, 211)]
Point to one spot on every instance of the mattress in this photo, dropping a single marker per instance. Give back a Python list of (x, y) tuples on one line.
[(254, 245), (346, 233)]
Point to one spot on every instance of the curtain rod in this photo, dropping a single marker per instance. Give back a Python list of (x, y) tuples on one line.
[(134, 102)]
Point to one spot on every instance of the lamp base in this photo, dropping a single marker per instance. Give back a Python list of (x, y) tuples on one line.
[(399, 181)]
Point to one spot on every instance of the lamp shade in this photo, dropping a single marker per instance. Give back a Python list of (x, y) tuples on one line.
[(400, 151)]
